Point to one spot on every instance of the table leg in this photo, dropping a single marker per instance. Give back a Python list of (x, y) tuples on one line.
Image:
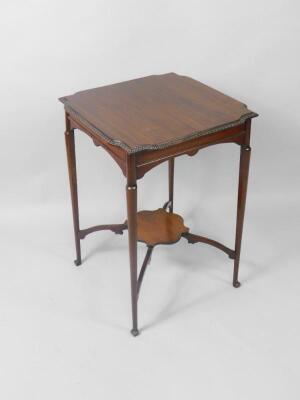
[(70, 146), (171, 184), (131, 194), (242, 194)]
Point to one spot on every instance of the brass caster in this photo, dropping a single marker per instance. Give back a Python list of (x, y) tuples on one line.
[(134, 332), (236, 284)]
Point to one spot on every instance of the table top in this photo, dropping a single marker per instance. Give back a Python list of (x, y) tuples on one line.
[(155, 112)]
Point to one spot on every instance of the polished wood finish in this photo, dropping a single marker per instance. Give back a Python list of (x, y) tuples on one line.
[(141, 124), (144, 266), (171, 163), (155, 112), (118, 154), (191, 238), (71, 157), (159, 227), (131, 194), (147, 160), (116, 228), (245, 153)]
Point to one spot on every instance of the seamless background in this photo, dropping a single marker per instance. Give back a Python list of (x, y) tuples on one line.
[(64, 330)]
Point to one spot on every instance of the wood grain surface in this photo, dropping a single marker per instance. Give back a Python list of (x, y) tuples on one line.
[(155, 112), (159, 227)]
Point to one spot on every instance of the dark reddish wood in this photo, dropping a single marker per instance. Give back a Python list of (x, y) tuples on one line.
[(154, 112), (171, 184), (159, 227), (116, 228), (71, 157), (191, 238), (144, 266), (145, 122), (169, 204), (115, 152), (245, 153), (131, 194), (146, 160), (166, 205)]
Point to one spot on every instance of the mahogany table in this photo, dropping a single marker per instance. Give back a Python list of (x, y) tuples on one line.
[(145, 122)]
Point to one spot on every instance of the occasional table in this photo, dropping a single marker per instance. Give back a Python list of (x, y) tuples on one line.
[(142, 123)]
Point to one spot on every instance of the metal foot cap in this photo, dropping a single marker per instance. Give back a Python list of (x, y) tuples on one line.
[(236, 284), (77, 262)]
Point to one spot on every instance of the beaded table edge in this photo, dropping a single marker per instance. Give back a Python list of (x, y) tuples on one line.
[(163, 145)]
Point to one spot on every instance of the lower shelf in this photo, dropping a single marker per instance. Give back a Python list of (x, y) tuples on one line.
[(159, 227)]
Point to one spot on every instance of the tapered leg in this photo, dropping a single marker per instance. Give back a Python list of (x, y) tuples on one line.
[(70, 146), (131, 194), (171, 184), (242, 194)]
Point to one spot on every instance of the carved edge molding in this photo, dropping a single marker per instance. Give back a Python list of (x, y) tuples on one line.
[(136, 149)]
